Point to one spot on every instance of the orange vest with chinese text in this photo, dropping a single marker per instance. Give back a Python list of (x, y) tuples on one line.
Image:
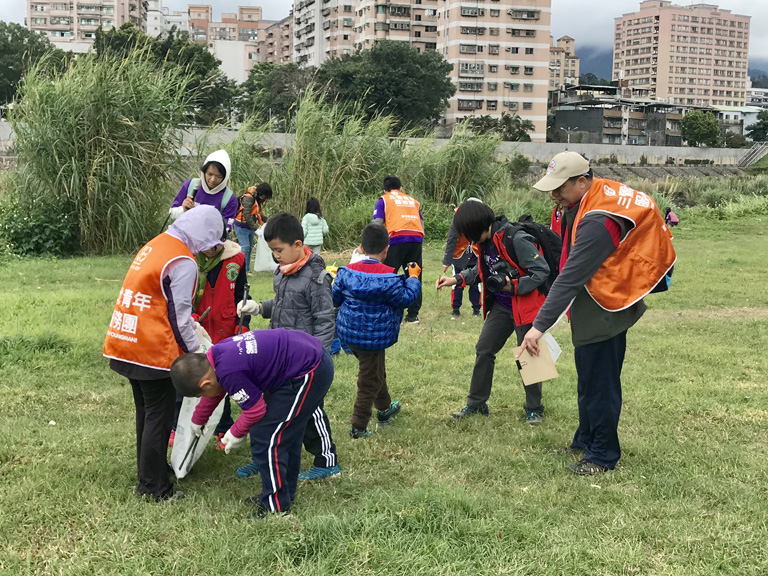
[(140, 331), (644, 255), (401, 213)]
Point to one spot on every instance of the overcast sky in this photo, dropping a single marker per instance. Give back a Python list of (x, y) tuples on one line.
[(589, 22)]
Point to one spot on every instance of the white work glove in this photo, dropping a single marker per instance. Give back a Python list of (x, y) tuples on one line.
[(196, 429), (231, 441), (250, 308), (202, 336)]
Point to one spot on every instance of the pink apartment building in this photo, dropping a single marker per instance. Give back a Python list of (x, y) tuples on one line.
[(695, 54), (72, 24)]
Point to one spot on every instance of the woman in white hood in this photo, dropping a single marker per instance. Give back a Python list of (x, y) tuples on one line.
[(151, 326), (209, 190)]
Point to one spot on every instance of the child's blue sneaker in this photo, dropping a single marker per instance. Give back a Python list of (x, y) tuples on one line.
[(385, 416), (318, 473), (248, 470)]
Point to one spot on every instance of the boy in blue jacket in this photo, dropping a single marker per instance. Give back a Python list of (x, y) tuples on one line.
[(371, 299)]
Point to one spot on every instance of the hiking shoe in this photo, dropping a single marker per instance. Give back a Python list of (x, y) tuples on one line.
[(318, 473), (477, 313), (248, 470), (412, 319), (172, 438), (354, 433), (586, 468), (385, 416), (534, 418), (455, 315), (219, 444), (468, 411)]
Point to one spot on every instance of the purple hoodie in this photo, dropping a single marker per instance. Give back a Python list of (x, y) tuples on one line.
[(259, 361)]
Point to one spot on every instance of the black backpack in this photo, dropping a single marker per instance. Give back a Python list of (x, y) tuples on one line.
[(548, 241)]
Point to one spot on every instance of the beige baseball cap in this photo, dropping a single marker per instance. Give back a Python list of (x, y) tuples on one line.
[(563, 166)]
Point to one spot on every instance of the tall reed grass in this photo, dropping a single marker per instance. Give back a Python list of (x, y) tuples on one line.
[(97, 144)]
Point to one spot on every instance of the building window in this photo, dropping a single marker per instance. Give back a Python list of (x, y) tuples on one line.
[(495, 13), (471, 86), (527, 105), (471, 69), (347, 22), (476, 30), (490, 105), (493, 86), (529, 51), (512, 86), (527, 87), (39, 7), (493, 68), (400, 26), (493, 49), (529, 70), (493, 31), (470, 104), (41, 21), (513, 50), (512, 69), (472, 12)]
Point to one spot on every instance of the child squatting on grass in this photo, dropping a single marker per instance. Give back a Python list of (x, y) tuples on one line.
[(278, 378), (371, 299), (302, 302)]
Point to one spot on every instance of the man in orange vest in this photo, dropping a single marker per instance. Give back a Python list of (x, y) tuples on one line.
[(616, 249), (151, 326), (401, 214)]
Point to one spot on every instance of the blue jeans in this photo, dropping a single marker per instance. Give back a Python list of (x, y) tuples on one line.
[(246, 237)]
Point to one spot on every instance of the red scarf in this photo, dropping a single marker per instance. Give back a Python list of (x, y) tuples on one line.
[(293, 267)]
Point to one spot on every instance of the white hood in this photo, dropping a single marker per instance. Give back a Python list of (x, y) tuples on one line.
[(222, 158), (200, 228)]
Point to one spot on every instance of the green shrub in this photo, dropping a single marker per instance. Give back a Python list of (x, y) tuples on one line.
[(97, 144), (34, 229), (518, 167)]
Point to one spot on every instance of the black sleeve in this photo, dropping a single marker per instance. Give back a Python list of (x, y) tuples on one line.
[(450, 246)]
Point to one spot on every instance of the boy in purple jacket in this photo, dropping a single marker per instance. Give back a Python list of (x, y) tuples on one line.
[(278, 378)]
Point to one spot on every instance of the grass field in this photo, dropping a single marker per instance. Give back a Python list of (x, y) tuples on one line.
[(427, 495)]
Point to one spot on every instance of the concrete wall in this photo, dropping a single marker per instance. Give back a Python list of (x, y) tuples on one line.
[(655, 155)]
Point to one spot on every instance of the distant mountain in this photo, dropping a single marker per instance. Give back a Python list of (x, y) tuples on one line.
[(758, 72), (597, 60)]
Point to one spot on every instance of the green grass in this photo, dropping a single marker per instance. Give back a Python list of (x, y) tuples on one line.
[(426, 495)]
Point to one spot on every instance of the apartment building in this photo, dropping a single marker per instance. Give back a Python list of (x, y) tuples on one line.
[(499, 49), (757, 96), (237, 39), (277, 46), (500, 56), (695, 54), (563, 62), (72, 24)]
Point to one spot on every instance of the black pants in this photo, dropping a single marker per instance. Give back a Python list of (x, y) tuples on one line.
[(372, 388), (398, 256), (599, 395), (276, 439), (154, 414), (318, 440), (498, 327)]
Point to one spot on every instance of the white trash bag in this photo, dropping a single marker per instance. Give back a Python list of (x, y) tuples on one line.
[(262, 261), (184, 436)]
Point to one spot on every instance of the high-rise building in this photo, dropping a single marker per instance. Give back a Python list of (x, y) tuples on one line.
[(277, 46), (695, 54), (71, 25), (499, 49), (563, 62), (238, 39)]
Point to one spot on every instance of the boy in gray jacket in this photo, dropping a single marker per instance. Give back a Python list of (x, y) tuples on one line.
[(303, 302)]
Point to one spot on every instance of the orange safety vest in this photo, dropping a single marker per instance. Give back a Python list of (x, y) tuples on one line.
[(140, 331), (461, 243), (644, 255), (401, 213), (255, 211)]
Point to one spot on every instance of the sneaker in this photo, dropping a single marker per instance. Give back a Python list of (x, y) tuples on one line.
[(477, 313), (586, 468), (455, 315), (468, 411), (248, 470), (172, 438), (412, 319), (318, 473), (173, 496), (385, 416), (354, 433), (534, 418), (219, 444)]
